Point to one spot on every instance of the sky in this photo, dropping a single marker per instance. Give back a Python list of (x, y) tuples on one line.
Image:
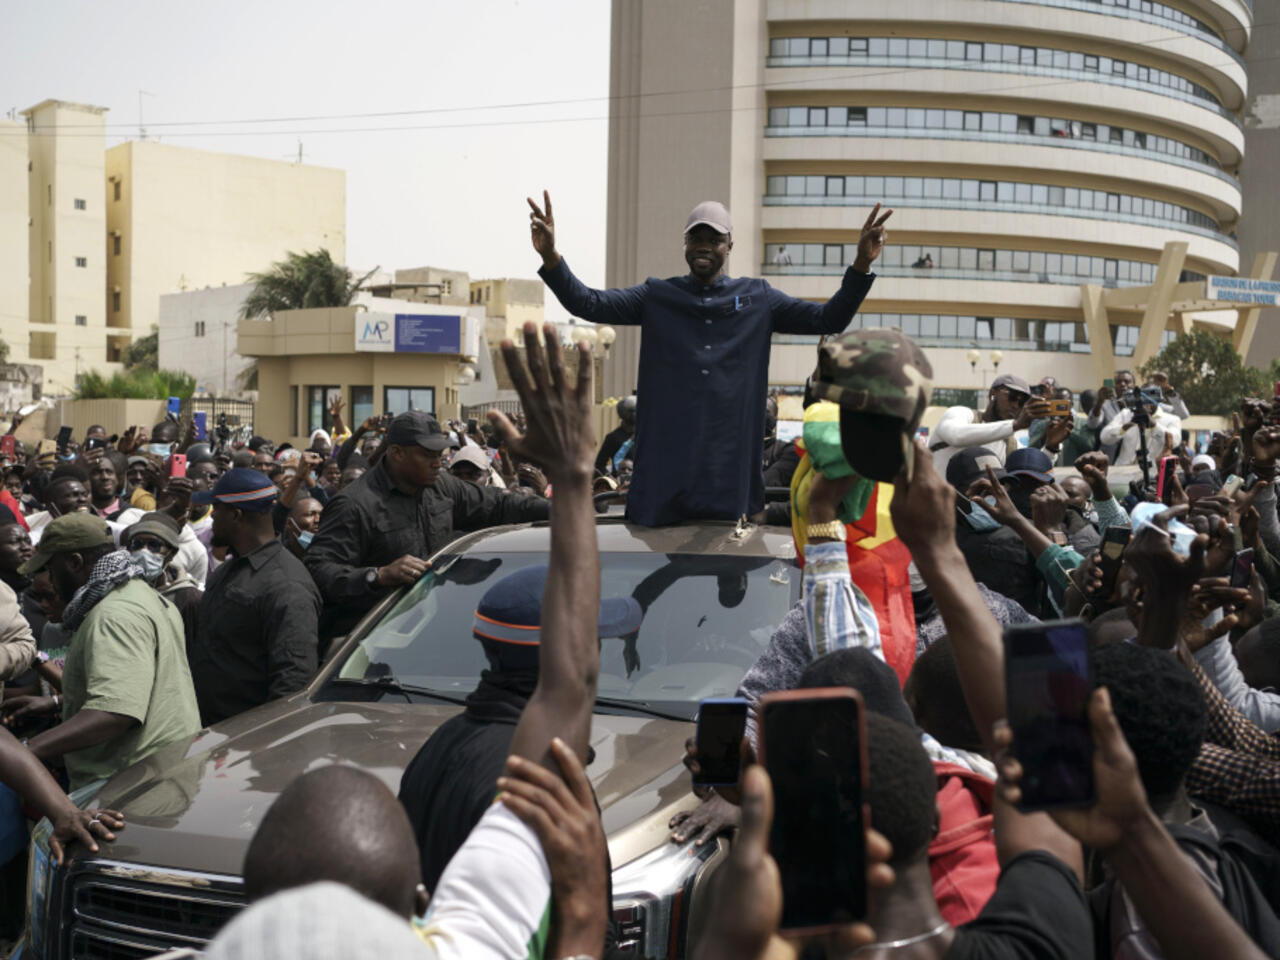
[(485, 102)]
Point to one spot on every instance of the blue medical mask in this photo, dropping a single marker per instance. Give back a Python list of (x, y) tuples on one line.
[(980, 520), (152, 563), (159, 449), (304, 538)]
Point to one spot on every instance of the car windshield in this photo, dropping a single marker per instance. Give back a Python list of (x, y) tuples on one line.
[(707, 618)]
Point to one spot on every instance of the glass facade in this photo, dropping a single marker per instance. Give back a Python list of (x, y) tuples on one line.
[(1011, 57), (896, 189), (873, 121), (1033, 265)]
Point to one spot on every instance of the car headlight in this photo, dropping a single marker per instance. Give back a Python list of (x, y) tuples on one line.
[(41, 870), (652, 896)]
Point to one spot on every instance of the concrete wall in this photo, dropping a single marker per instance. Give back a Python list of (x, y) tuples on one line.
[(14, 238), (509, 304), (198, 333), (192, 218), (1260, 227), (115, 414), (454, 285)]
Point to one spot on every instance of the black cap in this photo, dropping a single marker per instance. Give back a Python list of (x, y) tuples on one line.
[(420, 428), (969, 464)]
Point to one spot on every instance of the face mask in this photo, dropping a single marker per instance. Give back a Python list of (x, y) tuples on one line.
[(304, 538), (980, 520), (159, 449), (152, 563)]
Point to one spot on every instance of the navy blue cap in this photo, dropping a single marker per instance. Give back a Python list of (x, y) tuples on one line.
[(510, 613), (1029, 462), (242, 488)]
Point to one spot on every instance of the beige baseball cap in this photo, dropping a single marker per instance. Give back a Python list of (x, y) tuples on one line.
[(711, 213)]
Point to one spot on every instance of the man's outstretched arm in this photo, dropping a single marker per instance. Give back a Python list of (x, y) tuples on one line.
[(561, 439), (791, 315), (622, 307)]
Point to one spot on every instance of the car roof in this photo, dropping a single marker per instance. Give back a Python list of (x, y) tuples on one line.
[(615, 535)]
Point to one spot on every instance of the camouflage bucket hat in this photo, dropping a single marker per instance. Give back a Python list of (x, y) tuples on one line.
[(882, 382)]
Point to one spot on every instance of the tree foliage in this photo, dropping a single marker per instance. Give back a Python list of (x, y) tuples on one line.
[(300, 281), (136, 384), (1206, 369), (143, 353)]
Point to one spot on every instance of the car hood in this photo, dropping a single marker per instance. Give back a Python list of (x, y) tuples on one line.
[(195, 804)]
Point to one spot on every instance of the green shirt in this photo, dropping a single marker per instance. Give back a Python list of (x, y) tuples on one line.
[(129, 657)]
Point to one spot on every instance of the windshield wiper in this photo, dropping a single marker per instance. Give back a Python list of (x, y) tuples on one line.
[(392, 685), (639, 706)]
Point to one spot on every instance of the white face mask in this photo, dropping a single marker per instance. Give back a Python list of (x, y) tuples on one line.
[(152, 563)]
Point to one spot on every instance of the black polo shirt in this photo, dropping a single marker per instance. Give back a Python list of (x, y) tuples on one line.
[(257, 636), (370, 523)]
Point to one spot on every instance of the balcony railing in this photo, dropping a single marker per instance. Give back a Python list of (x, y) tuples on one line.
[(1018, 69), (994, 136), (995, 207)]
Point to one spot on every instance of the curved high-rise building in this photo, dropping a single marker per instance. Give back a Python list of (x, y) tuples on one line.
[(1029, 149)]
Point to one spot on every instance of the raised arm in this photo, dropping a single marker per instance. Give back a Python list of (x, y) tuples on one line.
[(622, 307), (792, 315), (560, 437), (1176, 905), (924, 516)]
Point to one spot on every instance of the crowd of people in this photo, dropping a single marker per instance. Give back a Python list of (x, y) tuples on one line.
[(139, 605)]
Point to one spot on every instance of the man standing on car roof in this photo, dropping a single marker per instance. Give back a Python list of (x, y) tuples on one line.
[(704, 362), (377, 532)]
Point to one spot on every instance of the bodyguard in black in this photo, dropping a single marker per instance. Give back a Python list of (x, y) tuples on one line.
[(257, 635), (704, 363), (378, 532)]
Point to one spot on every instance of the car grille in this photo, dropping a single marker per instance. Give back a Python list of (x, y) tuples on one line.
[(124, 919)]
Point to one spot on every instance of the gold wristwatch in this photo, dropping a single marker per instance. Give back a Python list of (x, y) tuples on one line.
[(832, 530)]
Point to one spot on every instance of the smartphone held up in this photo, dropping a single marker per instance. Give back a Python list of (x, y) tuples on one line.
[(813, 743), (722, 723), (1048, 683)]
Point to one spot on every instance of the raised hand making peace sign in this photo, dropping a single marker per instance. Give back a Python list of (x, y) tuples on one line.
[(542, 226), (871, 243)]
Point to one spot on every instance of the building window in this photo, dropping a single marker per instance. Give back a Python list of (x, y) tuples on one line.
[(115, 190), (293, 409), (361, 404), (199, 328), (82, 261), (81, 320), (80, 204), (51, 251), (115, 244), (42, 345), (447, 287), (318, 401), (49, 188), (403, 399), (115, 301)]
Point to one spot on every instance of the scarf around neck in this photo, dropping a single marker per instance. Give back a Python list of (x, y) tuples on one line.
[(113, 570)]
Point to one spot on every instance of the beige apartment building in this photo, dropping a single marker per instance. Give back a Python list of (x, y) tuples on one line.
[(182, 219), (14, 239), (1032, 150), (509, 304), (66, 329)]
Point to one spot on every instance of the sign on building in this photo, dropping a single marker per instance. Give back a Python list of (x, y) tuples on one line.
[(1264, 293), (410, 333)]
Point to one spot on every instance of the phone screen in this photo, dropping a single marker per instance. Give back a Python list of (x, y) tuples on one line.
[(1242, 569), (1047, 689), (1112, 549), (94, 443), (815, 755), (721, 724), (64, 437), (7, 445)]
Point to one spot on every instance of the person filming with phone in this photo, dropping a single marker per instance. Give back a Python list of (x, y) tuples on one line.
[(704, 348)]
